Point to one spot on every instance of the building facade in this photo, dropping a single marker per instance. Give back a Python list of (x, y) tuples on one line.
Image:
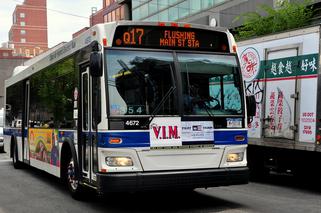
[(28, 37), (28, 34), (221, 13), (170, 10), (207, 12), (113, 10)]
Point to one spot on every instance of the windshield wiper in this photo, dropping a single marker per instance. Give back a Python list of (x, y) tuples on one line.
[(165, 98), (207, 108)]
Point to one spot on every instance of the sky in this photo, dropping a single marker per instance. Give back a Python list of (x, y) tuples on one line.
[(61, 26)]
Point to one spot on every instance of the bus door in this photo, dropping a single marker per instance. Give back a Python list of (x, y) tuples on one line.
[(280, 94), (88, 133), (25, 124)]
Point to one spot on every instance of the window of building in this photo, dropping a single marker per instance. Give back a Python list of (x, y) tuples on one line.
[(122, 12), (22, 23), (163, 16), (22, 15), (173, 13), (23, 32), (207, 4), (109, 17), (183, 9), (108, 2), (153, 18), (118, 13), (143, 11), (152, 7), (5, 54), (14, 19), (23, 40), (135, 14), (171, 2), (113, 15), (27, 52), (136, 3), (195, 6), (163, 4), (10, 36)]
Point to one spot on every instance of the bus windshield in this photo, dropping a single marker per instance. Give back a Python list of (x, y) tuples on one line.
[(211, 84), (138, 81), (143, 83)]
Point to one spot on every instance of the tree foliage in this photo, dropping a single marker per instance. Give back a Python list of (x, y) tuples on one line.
[(52, 91), (268, 20)]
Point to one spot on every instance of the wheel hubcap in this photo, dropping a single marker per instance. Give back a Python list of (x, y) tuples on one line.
[(72, 180)]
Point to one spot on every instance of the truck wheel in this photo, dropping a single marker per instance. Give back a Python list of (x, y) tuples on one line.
[(15, 161), (72, 180)]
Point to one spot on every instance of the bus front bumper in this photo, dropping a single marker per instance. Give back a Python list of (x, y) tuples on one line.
[(189, 179)]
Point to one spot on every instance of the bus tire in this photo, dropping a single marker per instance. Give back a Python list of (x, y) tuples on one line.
[(15, 161), (72, 180)]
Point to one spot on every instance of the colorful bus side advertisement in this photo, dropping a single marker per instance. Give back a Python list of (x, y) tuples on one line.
[(43, 144)]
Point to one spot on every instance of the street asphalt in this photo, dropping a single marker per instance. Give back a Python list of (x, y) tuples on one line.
[(30, 190)]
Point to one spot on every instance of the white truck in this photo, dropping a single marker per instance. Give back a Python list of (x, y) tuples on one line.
[(283, 72)]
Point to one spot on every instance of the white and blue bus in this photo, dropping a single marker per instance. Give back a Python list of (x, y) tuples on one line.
[(131, 106)]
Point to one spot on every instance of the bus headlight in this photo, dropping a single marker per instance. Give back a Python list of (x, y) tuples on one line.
[(235, 157), (119, 161)]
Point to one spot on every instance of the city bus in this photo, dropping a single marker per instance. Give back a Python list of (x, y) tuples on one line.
[(133, 106)]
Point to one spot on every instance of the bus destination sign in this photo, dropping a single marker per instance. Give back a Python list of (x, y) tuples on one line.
[(170, 38), (179, 39)]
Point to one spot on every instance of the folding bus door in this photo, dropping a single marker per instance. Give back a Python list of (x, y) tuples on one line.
[(88, 132)]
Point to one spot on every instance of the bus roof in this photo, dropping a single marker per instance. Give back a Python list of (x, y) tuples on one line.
[(97, 32)]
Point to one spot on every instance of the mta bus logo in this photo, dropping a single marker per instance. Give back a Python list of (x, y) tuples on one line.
[(165, 132)]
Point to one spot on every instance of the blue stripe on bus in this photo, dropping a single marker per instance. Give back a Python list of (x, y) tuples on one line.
[(141, 139), (13, 131), (228, 137)]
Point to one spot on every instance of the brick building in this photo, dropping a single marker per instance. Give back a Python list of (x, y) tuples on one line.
[(28, 34), (27, 38), (111, 11)]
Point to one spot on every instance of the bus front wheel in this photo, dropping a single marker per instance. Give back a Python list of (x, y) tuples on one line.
[(72, 180)]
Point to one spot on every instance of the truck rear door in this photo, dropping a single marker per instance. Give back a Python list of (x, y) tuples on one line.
[(281, 90)]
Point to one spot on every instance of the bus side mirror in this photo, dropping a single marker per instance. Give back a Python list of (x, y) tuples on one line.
[(251, 106), (95, 64)]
